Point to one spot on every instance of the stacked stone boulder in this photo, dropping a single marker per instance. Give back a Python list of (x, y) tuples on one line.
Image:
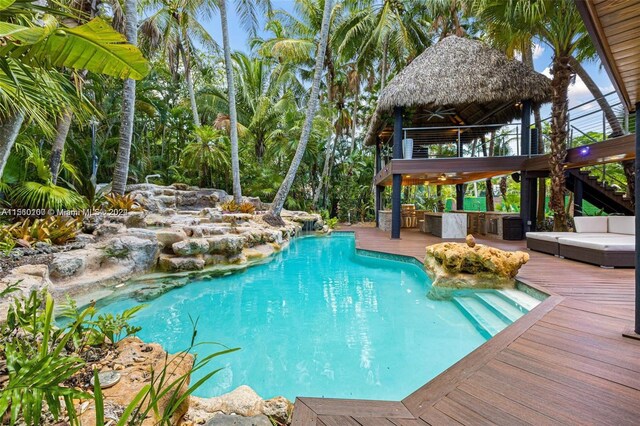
[(454, 266)]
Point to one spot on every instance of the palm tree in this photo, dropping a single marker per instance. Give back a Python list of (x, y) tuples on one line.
[(121, 170), (397, 29), (247, 12), (264, 90), (233, 115), (558, 24), (273, 215), (174, 29), (208, 152)]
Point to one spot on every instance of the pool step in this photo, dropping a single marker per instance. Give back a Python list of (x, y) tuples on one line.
[(507, 310), (520, 298), (486, 321)]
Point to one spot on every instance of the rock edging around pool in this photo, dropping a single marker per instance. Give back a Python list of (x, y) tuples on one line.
[(203, 240)]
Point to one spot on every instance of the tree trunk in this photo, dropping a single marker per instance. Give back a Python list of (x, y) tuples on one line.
[(186, 57), (9, 129), (503, 187), (490, 205), (121, 170), (273, 215), (561, 72), (383, 71), (62, 130), (542, 193), (233, 116), (325, 170), (192, 98), (439, 203), (332, 159), (616, 127), (354, 119)]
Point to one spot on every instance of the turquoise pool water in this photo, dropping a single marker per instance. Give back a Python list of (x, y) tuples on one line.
[(318, 320)]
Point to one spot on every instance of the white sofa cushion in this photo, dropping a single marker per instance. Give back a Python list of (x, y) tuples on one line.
[(603, 242), (622, 225), (554, 236), (591, 224)]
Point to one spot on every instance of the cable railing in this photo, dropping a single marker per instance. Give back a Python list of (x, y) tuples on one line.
[(587, 123), (487, 140)]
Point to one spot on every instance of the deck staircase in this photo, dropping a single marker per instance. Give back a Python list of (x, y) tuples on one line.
[(600, 194), (491, 311)]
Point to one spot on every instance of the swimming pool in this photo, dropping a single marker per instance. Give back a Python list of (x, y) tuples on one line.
[(320, 320)]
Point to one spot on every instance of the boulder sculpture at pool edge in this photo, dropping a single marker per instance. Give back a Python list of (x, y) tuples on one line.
[(455, 266)]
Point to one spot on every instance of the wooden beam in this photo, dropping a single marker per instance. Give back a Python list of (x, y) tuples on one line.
[(609, 151)]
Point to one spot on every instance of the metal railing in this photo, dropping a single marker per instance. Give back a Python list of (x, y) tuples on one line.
[(488, 140), (586, 123)]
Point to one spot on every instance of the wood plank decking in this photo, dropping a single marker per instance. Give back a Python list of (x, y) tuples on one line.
[(565, 362)]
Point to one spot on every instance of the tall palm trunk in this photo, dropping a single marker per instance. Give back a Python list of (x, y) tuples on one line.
[(561, 72), (610, 115), (542, 187), (439, 202), (9, 129), (354, 119), (62, 130), (121, 170), (186, 58), (325, 169), (490, 206), (233, 116), (383, 71), (273, 216)]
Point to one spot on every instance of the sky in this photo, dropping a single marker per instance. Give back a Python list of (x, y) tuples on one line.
[(578, 92)]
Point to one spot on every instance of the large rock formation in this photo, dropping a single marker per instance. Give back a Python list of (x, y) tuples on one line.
[(454, 266)]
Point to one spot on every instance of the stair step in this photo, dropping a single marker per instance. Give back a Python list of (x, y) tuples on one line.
[(590, 177), (584, 172), (520, 298), (485, 321), (507, 310)]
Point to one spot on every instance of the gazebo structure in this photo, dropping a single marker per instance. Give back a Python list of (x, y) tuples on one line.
[(447, 106)]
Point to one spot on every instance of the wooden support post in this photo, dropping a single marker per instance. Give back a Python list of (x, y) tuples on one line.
[(533, 208), (460, 196), (637, 208), (525, 131), (577, 197), (379, 206), (378, 167), (397, 179), (525, 201)]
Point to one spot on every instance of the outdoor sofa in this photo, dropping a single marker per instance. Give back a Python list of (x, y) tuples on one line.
[(608, 241)]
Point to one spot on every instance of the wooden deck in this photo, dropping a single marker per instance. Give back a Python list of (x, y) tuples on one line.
[(565, 362)]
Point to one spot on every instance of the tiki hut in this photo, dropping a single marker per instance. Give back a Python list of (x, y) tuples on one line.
[(459, 81)]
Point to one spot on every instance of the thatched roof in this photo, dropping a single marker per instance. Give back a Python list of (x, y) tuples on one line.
[(480, 83)]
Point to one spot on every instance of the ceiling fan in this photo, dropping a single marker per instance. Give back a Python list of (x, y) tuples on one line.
[(440, 113)]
